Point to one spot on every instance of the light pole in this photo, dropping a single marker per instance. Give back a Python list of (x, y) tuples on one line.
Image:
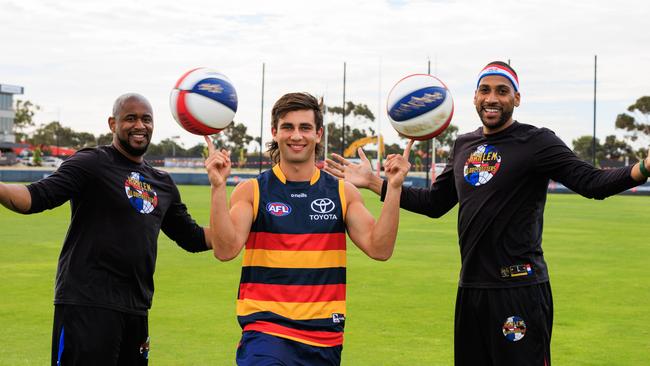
[(174, 139), (56, 139)]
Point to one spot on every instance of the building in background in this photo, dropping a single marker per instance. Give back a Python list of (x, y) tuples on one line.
[(7, 112)]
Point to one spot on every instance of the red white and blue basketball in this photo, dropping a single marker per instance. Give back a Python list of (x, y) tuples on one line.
[(203, 101), (420, 106)]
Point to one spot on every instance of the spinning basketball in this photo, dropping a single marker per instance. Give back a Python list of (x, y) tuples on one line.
[(420, 106), (203, 101)]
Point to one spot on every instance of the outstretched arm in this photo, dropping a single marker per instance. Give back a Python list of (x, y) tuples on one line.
[(228, 229), (377, 239), (557, 161), (639, 172), (15, 197), (432, 201)]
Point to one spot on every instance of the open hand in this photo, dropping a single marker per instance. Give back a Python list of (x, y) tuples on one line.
[(359, 174)]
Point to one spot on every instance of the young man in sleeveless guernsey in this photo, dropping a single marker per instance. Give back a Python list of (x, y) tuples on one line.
[(292, 221)]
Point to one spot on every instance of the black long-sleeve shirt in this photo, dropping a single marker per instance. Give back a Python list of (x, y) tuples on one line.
[(501, 181), (118, 209)]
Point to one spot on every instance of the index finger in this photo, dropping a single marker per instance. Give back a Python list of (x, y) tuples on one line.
[(407, 149), (211, 148), (339, 159)]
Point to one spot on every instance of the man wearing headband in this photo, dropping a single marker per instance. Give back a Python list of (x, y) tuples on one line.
[(499, 174), (496, 116)]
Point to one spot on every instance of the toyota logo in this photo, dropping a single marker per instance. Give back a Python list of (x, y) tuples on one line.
[(322, 205)]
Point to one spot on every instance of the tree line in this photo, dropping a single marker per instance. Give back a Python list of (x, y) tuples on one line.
[(636, 126), (635, 123), (234, 138)]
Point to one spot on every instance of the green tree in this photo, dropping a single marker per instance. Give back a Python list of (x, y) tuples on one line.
[(444, 143), (55, 134), (83, 139), (237, 135), (25, 111), (615, 149), (612, 149), (394, 149), (166, 147), (48, 134), (362, 115), (38, 157), (417, 163), (357, 110), (582, 146), (105, 139), (233, 138), (636, 122), (196, 150)]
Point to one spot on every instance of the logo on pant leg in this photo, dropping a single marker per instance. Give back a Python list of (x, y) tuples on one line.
[(514, 329), (338, 318), (144, 349)]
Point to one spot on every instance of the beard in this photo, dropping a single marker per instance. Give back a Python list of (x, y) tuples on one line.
[(134, 151), (505, 117)]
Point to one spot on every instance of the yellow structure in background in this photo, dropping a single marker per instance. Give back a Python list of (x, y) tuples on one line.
[(351, 150)]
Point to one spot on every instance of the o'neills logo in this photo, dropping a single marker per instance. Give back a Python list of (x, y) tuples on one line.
[(140, 193)]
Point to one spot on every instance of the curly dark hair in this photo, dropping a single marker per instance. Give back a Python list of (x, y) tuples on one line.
[(294, 102)]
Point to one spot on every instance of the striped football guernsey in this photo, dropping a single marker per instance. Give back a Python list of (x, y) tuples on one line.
[(293, 273)]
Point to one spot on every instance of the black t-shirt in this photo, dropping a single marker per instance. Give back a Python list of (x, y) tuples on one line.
[(500, 181), (118, 209)]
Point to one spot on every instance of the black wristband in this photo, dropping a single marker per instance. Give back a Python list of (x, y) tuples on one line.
[(384, 187)]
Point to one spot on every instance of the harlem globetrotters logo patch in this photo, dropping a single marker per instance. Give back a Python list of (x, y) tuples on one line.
[(514, 329), (140, 193), (482, 165)]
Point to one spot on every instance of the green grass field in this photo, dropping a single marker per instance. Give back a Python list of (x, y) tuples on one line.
[(400, 312)]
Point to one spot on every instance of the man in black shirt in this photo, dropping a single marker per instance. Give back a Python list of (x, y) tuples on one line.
[(499, 175), (119, 204)]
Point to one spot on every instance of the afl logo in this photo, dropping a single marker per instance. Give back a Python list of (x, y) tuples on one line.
[(278, 208), (322, 205)]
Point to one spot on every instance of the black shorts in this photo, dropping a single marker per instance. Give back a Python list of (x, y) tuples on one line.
[(511, 326), (86, 335)]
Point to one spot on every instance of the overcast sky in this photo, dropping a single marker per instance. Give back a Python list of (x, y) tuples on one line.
[(75, 57)]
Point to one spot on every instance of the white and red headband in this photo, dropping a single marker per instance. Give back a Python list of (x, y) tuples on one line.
[(495, 69)]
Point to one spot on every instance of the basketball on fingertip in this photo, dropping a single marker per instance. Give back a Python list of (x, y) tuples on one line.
[(420, 106), (203, 101)]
